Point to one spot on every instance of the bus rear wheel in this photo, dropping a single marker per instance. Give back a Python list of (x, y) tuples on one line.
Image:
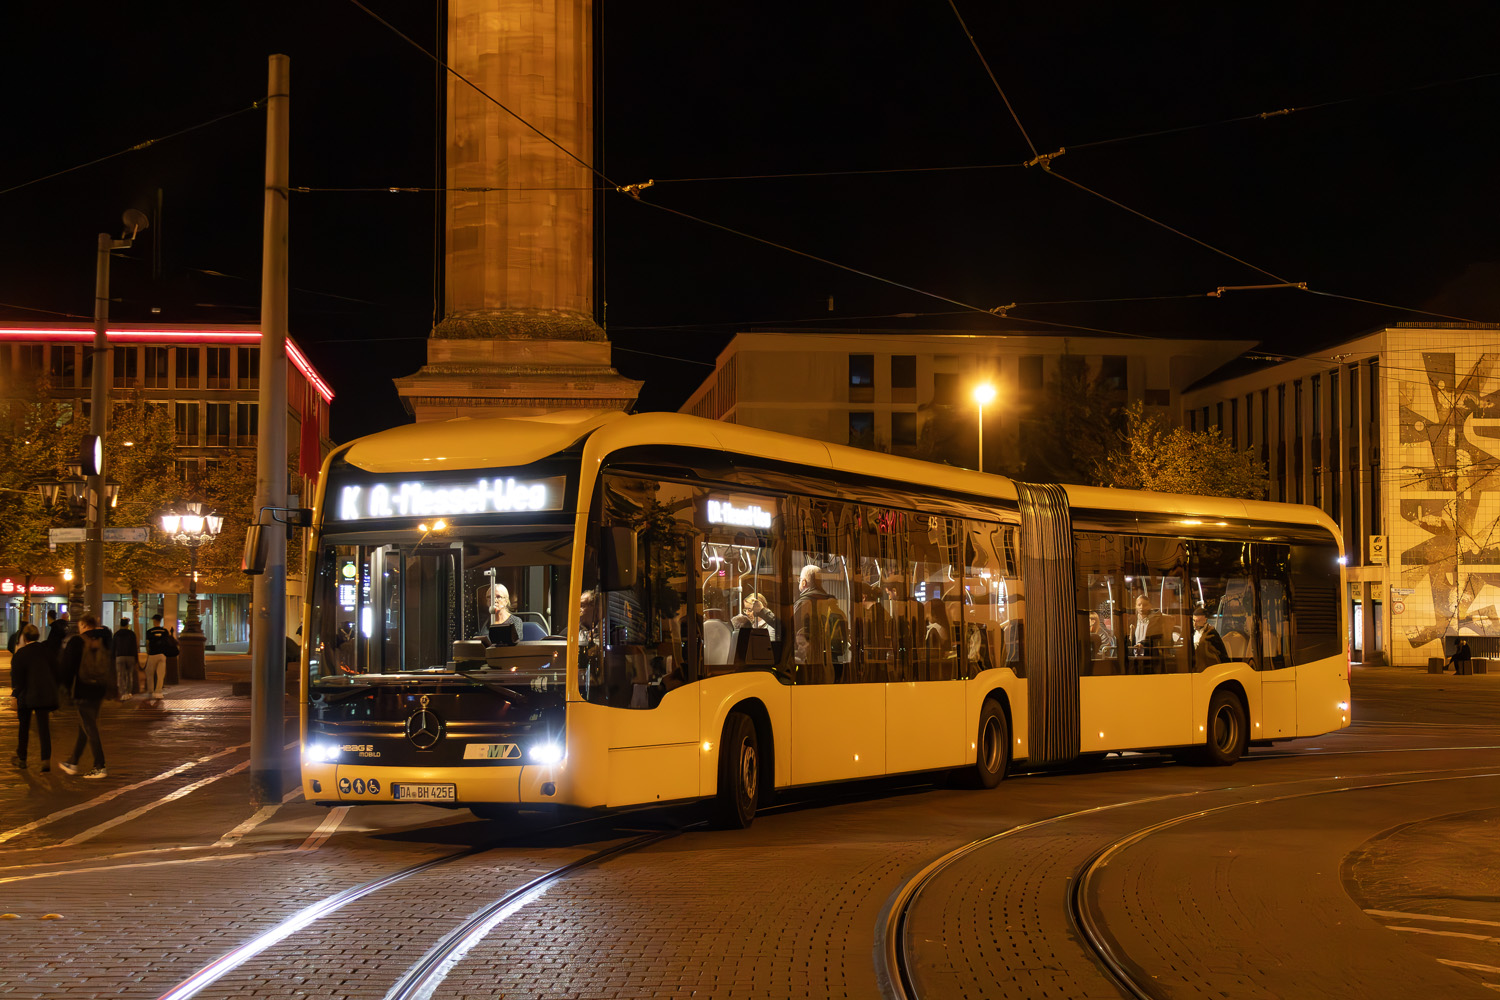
[(739, 774), (991, 748), (1228, 731)]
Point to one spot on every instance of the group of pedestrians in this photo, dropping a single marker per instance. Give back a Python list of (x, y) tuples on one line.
[(81, 670)]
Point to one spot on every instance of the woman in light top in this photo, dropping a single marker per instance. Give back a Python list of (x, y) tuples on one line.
[(505, 628)]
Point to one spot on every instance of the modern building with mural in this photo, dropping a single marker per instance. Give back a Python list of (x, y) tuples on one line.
[(1396, 434)]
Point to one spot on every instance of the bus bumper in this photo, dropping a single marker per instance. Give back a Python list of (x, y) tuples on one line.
[(366, 784)]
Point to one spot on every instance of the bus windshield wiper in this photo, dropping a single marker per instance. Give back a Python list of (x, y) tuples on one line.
[(508, 693)]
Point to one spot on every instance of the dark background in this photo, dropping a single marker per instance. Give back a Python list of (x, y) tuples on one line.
[(1381, 187)]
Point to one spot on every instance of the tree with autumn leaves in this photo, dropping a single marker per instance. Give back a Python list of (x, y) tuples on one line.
[(40, 438)]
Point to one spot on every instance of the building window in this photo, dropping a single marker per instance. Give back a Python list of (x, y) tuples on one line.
[(156, 367), (903, 430), (1158, 397), (1029, 375), (1113, 369), (218, 424), (904, 371), (187, 368), (1234, 423), (185, 416), (945, 388), (862, 429), (63, 361), (127, 366), (861, 378), (218, 367), (249, 373), (246, 423), (187, 469)]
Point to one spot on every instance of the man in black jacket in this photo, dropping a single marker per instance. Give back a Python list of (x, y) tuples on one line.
[(87, 697), (126, 648), (159, 646), (35, 689)]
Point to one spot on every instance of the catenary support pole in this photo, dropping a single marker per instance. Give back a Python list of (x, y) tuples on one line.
[(268, 636), (103, 370)]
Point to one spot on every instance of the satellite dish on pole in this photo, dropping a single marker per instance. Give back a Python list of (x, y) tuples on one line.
[(135, 221)]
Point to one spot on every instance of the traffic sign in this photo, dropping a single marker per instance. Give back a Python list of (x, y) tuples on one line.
[(58, 536), (127, 534)]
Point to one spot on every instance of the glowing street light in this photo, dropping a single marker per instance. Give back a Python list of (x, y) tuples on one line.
[(984, 392), (192, 528)]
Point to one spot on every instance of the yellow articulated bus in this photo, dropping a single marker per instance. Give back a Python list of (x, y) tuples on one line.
[(607, 611)]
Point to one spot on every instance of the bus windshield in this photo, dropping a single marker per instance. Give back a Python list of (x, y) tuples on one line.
[(442, 599)]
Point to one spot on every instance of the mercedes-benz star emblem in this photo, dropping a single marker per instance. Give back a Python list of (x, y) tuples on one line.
[(424, 727)]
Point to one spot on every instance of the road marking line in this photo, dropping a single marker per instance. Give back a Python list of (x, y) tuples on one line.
[(101, 799), (149, 864), (1453, 934), (1401, 915), (325, 829), (126, 817), (260, 816), (1476, 967)]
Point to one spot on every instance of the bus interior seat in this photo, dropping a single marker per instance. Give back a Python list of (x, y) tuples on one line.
[(1237, 645), (532, 632), (717, 649), (752, 647)]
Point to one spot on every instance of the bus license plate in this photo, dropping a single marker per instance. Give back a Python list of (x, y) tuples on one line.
[(419, 792)]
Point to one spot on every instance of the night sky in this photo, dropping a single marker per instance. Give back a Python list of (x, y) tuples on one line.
[(1380, 186)]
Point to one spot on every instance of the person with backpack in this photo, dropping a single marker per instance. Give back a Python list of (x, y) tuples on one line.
[(160, 644), (89, 664), (35, 690), (127, 650)]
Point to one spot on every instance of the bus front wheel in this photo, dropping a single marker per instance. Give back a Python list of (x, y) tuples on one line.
[(739, 774), (1228, 730), (992, 748)]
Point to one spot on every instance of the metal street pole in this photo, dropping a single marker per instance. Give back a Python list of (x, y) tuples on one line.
[(103, 369), (268, 636)]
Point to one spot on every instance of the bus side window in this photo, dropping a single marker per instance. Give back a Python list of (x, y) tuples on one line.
[(932, 556), (1100, 586), (994, 630), (879, 615), (1275, 622), (819, 533), (661, 615)]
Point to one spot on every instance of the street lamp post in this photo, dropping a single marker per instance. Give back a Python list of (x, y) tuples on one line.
[(74, 493), (983, 393), (192, 529)]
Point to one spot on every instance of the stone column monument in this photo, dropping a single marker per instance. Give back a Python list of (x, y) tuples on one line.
[(518, 335)]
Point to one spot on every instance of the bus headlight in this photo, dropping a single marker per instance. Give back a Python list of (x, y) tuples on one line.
[(319, 752), (546, 753)]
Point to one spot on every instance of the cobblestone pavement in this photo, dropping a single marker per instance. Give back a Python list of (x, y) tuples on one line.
[(790, 908)]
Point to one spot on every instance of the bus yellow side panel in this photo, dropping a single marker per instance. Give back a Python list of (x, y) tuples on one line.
[(1322, 696), (838, 732), (642, 775), (1121, 712), (925, 727)]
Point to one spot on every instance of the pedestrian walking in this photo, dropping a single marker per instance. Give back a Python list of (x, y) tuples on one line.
[(127, 649), (88, 667), (34, 686), (160, 644)]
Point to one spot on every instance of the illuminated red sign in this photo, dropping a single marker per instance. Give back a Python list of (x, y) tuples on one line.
[(8, 586)]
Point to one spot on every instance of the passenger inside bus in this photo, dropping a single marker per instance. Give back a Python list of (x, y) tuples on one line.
[(505, 629)]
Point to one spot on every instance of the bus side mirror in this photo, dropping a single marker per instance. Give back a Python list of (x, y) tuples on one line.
[(254, 561), (617, 569)]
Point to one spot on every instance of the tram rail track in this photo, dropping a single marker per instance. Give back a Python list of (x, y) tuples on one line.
[(893, 931), (421, 979)]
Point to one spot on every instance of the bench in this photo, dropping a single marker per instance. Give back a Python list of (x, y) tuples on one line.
[(1435, 664)]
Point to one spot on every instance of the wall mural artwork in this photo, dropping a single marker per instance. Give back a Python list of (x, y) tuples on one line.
[(1451, 425)]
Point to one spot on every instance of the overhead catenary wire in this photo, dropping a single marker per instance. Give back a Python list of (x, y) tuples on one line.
[(986, 64), (137, 147)]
